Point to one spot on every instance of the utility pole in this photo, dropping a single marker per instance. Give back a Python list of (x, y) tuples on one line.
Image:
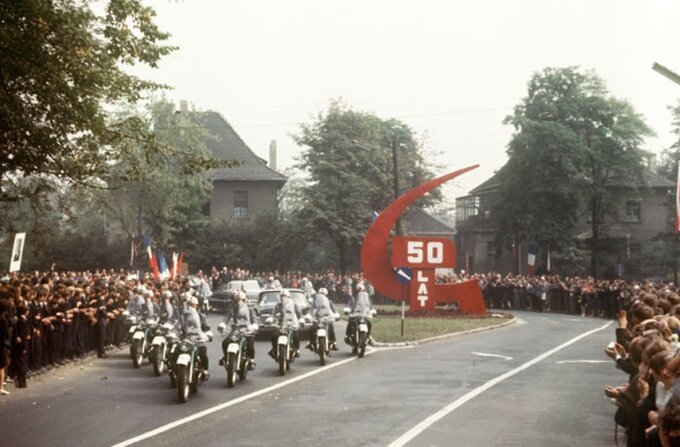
[(395, 175)]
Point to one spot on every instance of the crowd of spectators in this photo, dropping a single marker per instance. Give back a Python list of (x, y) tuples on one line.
[(53, 318), (49, 319)]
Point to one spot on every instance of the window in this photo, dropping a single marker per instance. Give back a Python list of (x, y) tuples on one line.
[(241, 204), (633, 209)]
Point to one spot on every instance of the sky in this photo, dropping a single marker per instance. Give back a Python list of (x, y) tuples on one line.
[(451, 70)]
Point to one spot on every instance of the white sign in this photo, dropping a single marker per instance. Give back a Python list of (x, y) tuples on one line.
[(17, 252)]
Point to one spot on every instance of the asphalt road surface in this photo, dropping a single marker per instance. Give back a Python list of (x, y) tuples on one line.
[(537, 382)]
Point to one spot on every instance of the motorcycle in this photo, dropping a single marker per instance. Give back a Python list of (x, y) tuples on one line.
[(139, 346), (235, 349), (285, 353), (319, 341), (158, 351), (188, 371), (358, 335)]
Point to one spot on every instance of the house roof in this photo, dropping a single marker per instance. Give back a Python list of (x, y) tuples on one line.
[(653, 180), (489, 185), (416, 221), (228, 145)]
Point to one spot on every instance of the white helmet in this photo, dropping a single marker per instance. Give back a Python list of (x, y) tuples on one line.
[(323, 291), (186, 296), (360, 286), (193, 300), (285, 292), (167, 294), (140, 289), (240, 294)]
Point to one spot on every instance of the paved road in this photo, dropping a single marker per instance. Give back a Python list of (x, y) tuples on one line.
[(522, 384)]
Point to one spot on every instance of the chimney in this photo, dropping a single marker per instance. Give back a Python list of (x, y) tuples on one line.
[(183, 106), (272, 155), (651, 162)]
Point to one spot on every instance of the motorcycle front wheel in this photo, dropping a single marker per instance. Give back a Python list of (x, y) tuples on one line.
[(282, 360), (362, 344), (138, 353), (159, 360), (231, 370), (321, 349), (183, 383)]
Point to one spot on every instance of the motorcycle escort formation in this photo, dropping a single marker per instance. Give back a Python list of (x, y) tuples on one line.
[(235, 348)]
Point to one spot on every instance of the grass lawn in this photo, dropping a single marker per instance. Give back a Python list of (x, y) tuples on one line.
[(387, 329)]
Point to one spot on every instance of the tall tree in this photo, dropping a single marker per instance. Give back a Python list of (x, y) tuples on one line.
[(167, 198), (347, 158), (573, 142), (62, 72)]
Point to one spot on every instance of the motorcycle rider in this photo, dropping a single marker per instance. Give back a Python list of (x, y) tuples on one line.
[(243, 317), (193, 325), (361, 304), (136, 303), (167, 312), (323, 307), (287, 311)]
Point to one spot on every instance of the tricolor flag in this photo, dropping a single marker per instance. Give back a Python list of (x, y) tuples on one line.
[(677, 203), (163, 266), (532, 252)]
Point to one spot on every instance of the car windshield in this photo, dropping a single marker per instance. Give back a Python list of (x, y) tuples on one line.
[(299, 298), (270, 298), (251, 285)]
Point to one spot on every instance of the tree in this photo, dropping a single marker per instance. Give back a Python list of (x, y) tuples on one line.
[(349, 167), (573, 143), (61, 74)]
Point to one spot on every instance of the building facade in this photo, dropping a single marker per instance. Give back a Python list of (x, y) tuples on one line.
[(244, 191), (631, 243)]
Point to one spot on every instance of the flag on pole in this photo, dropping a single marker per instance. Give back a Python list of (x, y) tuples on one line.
[(133, 251), (163, 266), (173, 269), (532, 252), (677, 203)]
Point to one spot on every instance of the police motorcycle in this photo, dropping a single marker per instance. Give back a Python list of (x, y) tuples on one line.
[(188, 371), (358, 335), (235, 348), (164, 336), (141, 332), (319, 342), (285, 353)]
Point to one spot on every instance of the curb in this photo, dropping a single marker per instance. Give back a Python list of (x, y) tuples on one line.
[(444, 336)]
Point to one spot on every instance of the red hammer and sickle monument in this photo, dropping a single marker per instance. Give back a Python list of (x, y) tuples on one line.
[(415, 259)]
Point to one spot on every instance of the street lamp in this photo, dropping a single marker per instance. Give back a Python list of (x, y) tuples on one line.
[(395, 172)]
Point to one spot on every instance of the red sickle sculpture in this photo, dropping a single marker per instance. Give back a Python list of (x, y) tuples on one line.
[(376, 264)]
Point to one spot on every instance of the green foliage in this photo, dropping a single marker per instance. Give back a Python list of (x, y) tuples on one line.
[(62, 71), (573, 142), (348, 161)]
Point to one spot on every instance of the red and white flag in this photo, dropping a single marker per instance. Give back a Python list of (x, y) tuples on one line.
[(677, 203)]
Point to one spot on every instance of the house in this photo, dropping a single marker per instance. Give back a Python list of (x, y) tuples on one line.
[(632, 229), (243, 191)]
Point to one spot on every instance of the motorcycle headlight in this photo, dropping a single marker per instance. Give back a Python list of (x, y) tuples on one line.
[(184, 347)]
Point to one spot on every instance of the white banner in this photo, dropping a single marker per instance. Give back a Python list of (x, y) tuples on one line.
[(17, 252)]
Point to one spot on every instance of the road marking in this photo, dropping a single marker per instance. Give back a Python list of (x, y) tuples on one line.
[(484, 354), (238, 400), (560, 362), (427, 422)]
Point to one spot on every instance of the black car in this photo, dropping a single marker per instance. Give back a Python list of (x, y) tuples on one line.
[(223, 297), (271, 297)]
